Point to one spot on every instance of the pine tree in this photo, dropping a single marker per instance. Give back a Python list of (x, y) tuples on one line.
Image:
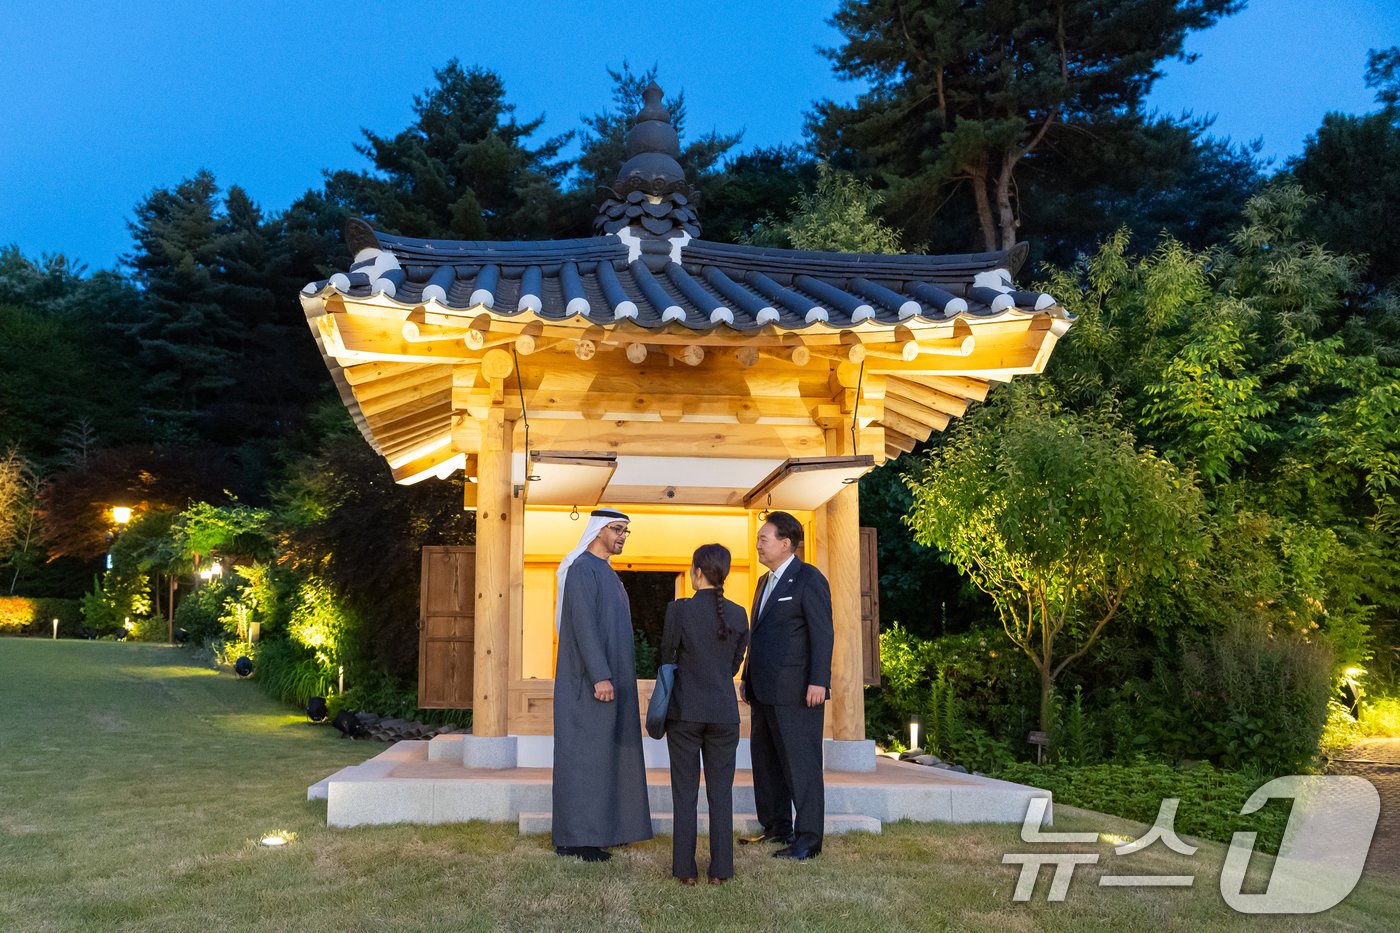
[(968, 93), (461, 170)]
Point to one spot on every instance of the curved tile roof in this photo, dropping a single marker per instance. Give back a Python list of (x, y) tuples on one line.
[(655, 281)]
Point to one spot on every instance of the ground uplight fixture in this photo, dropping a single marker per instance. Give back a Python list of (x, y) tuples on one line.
[(243, 666), (915, 723), (316, 709), (276, 840)]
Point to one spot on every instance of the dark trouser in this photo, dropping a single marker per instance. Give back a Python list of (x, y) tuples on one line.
[(786, 744), (685, 741)]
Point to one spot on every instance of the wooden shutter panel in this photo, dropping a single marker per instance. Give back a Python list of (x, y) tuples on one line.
[(870, 607), (446, 621)]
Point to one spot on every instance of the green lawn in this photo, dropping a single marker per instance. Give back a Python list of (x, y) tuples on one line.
[(133, 786)]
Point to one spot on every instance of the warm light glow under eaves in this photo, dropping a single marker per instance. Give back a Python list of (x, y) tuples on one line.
[(121, 514)]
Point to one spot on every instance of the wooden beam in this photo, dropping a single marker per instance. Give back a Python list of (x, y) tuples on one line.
[(422, 467), (380, 371), (906, 425), (541, 404), (901, 442), (920, 413), (845, 353), (653, 438), (438, 430), (386, 401), (387, 430), (953, 405), (690, 354), (965, 386)]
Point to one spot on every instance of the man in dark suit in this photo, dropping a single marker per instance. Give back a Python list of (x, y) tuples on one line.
[(786, 681)]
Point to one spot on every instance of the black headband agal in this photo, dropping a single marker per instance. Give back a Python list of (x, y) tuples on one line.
[(609, 513)]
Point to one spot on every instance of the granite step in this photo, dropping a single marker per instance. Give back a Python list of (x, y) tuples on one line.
[(663, 824)]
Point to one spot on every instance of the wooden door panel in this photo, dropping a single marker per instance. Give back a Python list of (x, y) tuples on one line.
[(870, 607), (446, 625)]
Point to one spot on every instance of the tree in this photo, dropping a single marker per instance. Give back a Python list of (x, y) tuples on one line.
[(461, 170), (19, 513), (602, 148), (967, 92), (756, 186), (838, 216), (1058, 517), (350, 526), (63, 356), (76, 502), (1351, 166), (186, 335)]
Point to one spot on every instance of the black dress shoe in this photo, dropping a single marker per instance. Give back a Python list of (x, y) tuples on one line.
[(587, 853), (786, 840), (798, 853)]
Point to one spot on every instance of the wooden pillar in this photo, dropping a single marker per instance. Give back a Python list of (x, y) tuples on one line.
[(843, 549), (843, 563), (491, 672)]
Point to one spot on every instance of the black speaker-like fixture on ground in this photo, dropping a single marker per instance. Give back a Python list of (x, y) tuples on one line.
[(316, 709), (243, 666)]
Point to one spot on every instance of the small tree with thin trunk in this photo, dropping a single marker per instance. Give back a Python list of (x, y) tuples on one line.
[(1059, 518), (19, 513)]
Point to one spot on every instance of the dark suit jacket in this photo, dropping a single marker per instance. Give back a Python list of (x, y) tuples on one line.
[(790, 644), (705, 663)]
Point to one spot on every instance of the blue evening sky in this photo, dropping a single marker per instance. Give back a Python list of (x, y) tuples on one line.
[(106, 101)]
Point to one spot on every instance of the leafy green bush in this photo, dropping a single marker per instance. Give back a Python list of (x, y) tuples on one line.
[(1257, 699), (379, 694), (289, 672), (1380, 716), (1210, 799), (323, 622), (24, 615), (150, 628), (1342, 729), (974, 699), (200, 612), (104, 610)]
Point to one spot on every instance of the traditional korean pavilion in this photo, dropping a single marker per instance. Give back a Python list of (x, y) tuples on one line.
[(693, 384)]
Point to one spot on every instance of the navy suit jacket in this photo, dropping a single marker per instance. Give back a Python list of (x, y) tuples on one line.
[(790, 643)]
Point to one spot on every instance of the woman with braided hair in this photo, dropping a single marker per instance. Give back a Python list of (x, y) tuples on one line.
[(704, 637)]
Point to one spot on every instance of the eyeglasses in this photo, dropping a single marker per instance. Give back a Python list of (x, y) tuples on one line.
[(621, 531)]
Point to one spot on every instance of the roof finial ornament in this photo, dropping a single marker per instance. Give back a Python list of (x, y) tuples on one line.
[(650, 191)]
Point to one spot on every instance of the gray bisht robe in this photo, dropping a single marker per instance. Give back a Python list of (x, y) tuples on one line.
[(600, 779)]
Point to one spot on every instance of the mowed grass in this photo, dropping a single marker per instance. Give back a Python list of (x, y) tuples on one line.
[(134, 786)]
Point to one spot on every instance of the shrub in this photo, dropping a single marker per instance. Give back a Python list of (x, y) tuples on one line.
[(1380, 716), (25, 615), (379, 694), (1210, 799), (200, 612), (1256, 699), (1341, 730), (288, 672), (151, 628), (323, 622)]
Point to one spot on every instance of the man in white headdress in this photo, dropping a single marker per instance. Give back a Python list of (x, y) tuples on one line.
[(600, 780)]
